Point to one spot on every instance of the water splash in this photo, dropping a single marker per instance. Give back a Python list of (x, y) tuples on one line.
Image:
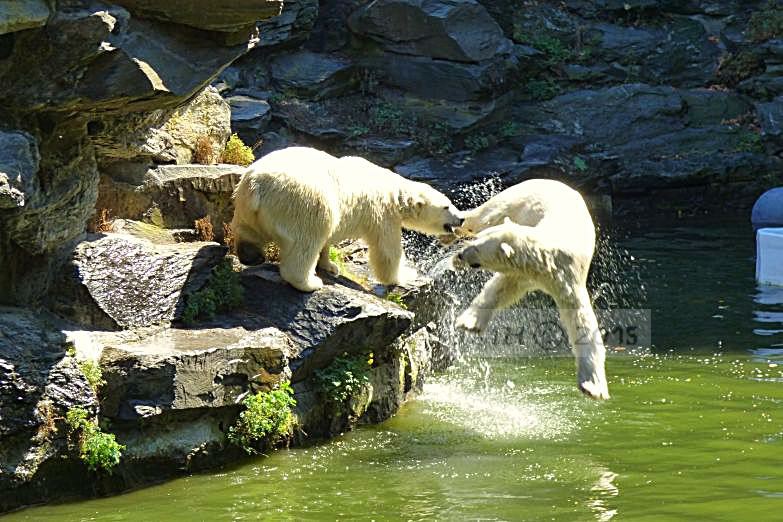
[(496, 412)]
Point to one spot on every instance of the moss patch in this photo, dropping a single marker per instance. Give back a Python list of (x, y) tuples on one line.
[(267, 418), (222, 293)]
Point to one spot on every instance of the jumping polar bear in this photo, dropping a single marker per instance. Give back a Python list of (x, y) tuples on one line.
[(305, 200), (538, 235)]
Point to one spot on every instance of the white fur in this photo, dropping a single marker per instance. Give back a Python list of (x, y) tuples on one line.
[(538, 235), (305, 200)]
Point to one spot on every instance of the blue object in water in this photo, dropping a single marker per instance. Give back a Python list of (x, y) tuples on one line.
[(768, 209)]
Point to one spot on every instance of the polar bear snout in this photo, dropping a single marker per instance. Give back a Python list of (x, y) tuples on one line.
[(451, 227), (468, 256)]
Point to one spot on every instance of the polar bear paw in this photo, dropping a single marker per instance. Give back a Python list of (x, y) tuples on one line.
[(330, 267), (471, 321), (312, 284)]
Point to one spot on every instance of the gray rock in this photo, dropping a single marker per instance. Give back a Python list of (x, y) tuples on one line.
[(457, 30), (446, 80), (459, 169), (770, 116), (291, 26), (175, 370), (324, 324), (38, 385), (165, 136), (19, 15), (386, 152), (19, 160), (206, 14), (121, 281), (249, 117), (176, 195), (313, 75), (117, 60)]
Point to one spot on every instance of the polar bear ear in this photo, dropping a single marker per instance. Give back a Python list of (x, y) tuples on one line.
[(507, 250), (507, 221)]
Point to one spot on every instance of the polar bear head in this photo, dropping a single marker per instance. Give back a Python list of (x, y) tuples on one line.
[(492, 249), (426, 210)]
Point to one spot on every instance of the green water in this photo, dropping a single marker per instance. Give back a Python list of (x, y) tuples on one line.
[(694, 429)]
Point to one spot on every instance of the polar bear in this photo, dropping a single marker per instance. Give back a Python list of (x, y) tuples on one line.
[(537, 235), (305, 200)]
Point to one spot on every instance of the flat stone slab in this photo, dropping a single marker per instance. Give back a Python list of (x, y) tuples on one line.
[(180, 369)]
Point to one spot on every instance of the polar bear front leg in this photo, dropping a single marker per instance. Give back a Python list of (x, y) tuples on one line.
[(297, 265), (500, 292), (325, 262), (386, 256)]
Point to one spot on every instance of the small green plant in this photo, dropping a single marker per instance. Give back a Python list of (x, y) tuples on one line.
[(738, 66), (93, 373), (554, 49), (267, 416), (542, 89), (396, 298), (749, 141), (580, 164), (509, 130), (478, 142), (435, 138), (766, 23), (97, 449), (237, 153), (337, 257), (387, 117), (344, 377), (357, 130), (222, 293)]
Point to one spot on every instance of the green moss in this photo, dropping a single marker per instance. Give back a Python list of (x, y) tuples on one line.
[(478, 142), (93, 373), (738, 66), (237, 153), (749, 141), (337, 257), (766, 23), (267, 417), (580, 164), (344, 377), (542, 89), (97, 449), (396, 298), (509, 130), (222, 293)]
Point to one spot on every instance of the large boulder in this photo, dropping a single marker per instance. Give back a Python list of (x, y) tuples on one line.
[(206, 14), (19, 15), (313, 75), (19, 160), (165, 136), (123, 280), (174, 196), (38, 385), (456, 30), (249, 117)]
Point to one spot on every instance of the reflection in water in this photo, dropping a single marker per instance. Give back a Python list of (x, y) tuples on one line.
[(604, 488)]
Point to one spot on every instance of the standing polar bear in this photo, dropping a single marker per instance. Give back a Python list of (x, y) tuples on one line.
[(538, 235), (305, 200)]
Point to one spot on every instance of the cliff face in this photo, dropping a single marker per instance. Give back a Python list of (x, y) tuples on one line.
[(85, 85), (656, 108)]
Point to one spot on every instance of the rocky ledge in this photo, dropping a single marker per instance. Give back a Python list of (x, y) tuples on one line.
[(169, 391)]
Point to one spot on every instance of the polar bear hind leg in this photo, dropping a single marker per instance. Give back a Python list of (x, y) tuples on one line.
[(587, 345)]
